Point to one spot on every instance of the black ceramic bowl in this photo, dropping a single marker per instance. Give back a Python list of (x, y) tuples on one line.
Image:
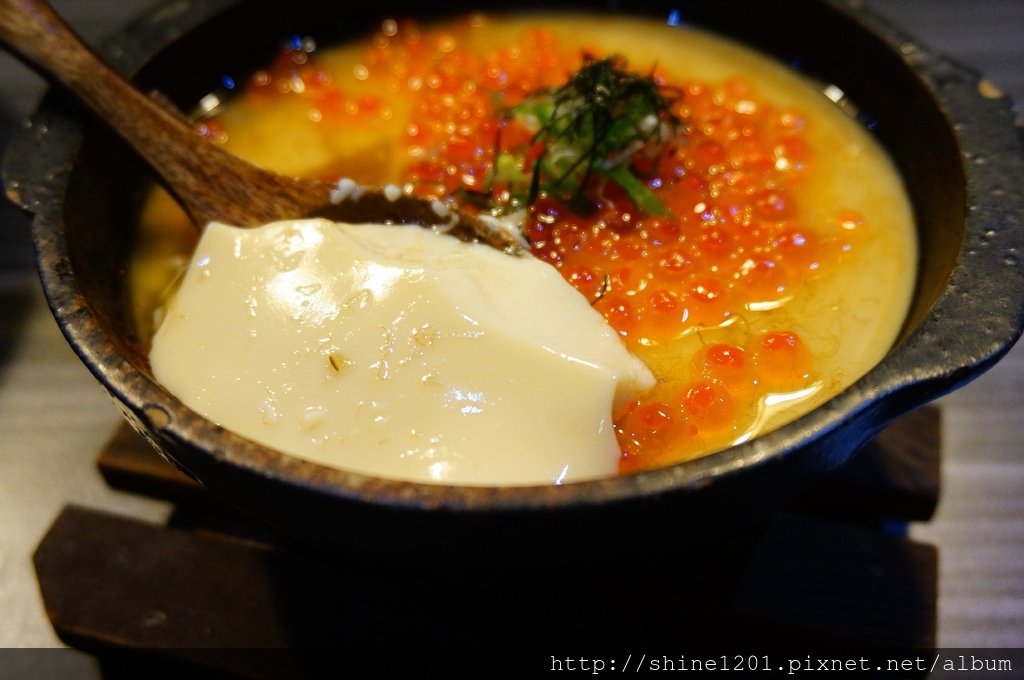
[(951, 136)]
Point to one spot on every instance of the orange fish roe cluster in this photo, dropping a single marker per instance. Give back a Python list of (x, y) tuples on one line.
[(736, 242), (453, 131), (714, 400), (736, 246), (455, 93), (734, 249)]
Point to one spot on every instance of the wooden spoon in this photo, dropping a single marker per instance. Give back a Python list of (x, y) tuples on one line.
[(209, 182)]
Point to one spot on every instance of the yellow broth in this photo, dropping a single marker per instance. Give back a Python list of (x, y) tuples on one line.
[(382, 109)]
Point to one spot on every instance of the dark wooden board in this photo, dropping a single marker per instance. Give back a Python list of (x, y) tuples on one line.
[(896, 476), (833, 584), (129, 463), (111, 582), (823, 573)]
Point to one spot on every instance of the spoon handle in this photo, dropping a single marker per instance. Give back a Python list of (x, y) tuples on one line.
[(208, 181)]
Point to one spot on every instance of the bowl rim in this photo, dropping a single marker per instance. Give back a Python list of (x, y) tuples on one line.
[(993, 235)]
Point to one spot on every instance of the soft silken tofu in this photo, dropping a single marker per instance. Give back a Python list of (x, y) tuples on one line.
[(398, 352)]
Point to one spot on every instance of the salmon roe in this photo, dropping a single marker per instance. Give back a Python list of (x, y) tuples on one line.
[(735, 245)]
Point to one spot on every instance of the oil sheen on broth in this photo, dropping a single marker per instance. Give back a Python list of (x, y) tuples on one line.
[(781, 274)]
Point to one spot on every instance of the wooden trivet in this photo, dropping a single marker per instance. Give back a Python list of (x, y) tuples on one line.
[(822, 573)]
